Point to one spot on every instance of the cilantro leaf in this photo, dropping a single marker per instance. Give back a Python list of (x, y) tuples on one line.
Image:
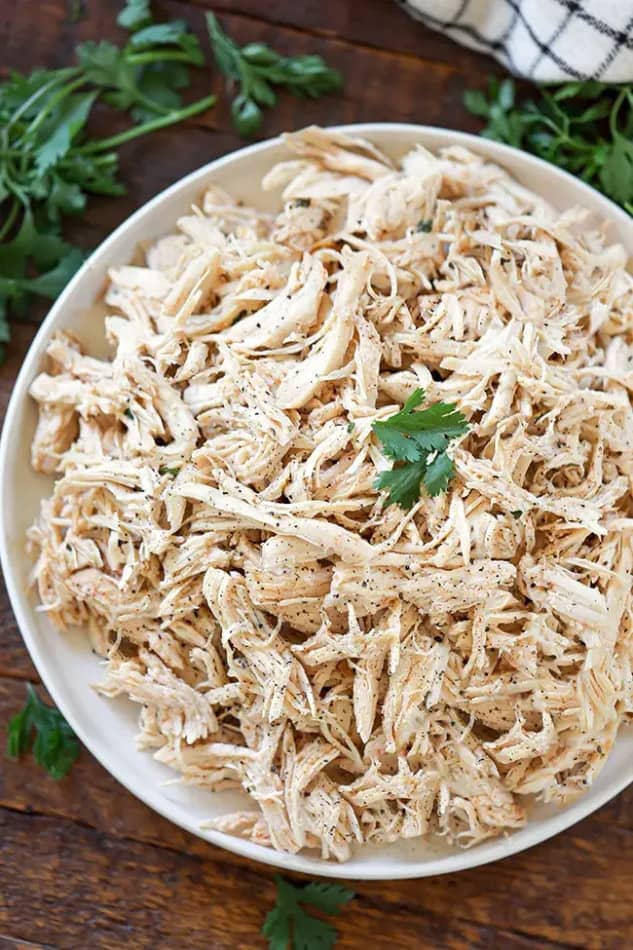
[(289, 921), (166, 34), (44, 247), (402, 483), (276, 928), (102, 63), (429, 429), (64, 197), (438, 474), (616, 174), (95, 174), (55, 746), (257, 69), (52, 282), (135, 15), (142, 74), (310, 933), (395, 444), (326, 896), (69, 119), (419, 441)]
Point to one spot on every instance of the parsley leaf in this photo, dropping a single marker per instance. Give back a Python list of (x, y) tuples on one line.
[(616, 174), (288, 921), (430, 429), (257, 68), (135, 15), (59, 134), (403, 483), (419, 441), (55, 746), (167, 34), (585, 127), (438, 474)]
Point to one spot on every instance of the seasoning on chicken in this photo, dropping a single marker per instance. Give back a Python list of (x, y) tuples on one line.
[(364, 672)]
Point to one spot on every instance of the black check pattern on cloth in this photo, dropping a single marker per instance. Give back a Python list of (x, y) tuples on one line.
[(542, 40)]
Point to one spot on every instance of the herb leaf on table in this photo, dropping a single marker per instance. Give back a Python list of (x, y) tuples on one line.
[(289, 924), (584, 127), (256, 69), (54, 744)]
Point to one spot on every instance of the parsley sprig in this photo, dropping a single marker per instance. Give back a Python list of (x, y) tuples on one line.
[(55, 746), (583, 127), (48, 165), (289, 925), (417, 443), (257, 68)]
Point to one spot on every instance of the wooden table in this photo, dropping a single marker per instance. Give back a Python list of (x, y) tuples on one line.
[(83, 864)]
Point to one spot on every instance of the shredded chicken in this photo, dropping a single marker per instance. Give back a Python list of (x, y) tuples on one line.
[(364, 673)]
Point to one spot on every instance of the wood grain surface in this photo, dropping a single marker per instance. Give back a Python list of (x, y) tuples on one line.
[(83, 864)]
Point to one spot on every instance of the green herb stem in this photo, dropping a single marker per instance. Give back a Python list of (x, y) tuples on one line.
[(179, 115), (60, 76), (143, 59), (613, 115), (10, 219), (51, 104)]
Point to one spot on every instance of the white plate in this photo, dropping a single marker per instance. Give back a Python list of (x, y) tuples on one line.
[(65, 663)]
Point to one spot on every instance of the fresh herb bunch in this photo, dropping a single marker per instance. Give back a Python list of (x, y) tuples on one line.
[(289, 925), (47, 164), (256, 68), (55, 747), (417, 443), (585, 127)]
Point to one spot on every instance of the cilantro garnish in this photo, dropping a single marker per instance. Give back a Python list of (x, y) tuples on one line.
[(49, 165), (55, 746), (417, 443), (289, 925), (585, 127), (256, 68)]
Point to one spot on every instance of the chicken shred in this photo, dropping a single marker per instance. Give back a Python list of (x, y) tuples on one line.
[(364, 673)]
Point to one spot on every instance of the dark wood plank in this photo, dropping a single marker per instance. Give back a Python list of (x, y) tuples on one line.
[(378, 24), (126, 893), (379, 84)]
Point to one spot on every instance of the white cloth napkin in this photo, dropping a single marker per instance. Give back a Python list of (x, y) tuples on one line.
[(543, 40)]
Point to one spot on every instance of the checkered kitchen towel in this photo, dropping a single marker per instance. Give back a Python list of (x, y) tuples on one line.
[(544, 40)]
